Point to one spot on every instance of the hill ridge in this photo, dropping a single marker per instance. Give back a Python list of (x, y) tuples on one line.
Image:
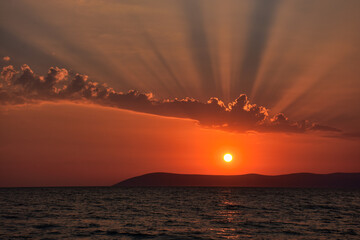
[(304, 179)]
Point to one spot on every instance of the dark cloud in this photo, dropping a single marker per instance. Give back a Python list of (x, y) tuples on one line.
[(7, 74), (239, 115)]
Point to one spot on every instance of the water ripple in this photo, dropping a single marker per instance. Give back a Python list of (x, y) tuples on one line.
[(179, 213)]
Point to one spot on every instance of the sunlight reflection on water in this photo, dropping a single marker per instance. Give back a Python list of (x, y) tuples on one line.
[(179, 213)]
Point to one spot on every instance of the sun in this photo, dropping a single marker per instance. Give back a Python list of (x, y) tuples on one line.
[(228, 157)]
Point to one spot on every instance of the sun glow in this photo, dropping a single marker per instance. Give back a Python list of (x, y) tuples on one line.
[(228, 157)]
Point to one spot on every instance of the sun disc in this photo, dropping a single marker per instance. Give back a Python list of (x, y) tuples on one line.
[(228, 157)]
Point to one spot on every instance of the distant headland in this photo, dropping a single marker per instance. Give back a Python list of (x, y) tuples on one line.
[(295, 180)]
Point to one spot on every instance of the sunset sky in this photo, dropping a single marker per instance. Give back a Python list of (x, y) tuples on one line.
[(96, 91)]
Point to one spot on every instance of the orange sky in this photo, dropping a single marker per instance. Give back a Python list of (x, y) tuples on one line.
[(298, 59), (61, 144)]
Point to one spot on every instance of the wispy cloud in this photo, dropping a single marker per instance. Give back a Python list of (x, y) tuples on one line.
[(25, 86)]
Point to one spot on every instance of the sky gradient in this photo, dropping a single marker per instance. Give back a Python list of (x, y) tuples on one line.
[(113, 89)]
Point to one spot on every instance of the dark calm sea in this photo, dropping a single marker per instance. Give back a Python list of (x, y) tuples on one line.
[(179, 213)]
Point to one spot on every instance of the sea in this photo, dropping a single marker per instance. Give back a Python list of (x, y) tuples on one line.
[(179, 213)]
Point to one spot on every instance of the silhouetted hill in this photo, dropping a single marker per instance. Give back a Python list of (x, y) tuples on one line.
[(301, 180)]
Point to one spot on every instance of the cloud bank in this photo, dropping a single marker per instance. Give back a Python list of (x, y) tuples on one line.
[(25, 86)]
